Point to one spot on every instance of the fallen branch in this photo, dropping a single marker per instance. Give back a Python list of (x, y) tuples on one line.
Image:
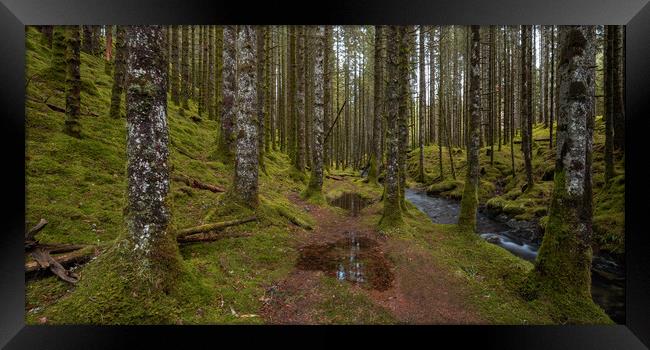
[(209, 237), (44, 261), (29, 235), (62, 248), (198, 184), (334, 177), (536, 140), (212, 227), (56, 108)]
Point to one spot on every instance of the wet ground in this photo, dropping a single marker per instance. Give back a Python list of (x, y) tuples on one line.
[(523, 240), (356, 259), (353, 202)]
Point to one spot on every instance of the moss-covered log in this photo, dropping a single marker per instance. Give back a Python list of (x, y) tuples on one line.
[(212, 227)]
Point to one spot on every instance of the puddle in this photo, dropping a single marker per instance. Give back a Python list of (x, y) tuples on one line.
[(354, 259), (351, 201)]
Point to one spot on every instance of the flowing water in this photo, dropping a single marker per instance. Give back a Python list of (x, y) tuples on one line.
[(523, 239)]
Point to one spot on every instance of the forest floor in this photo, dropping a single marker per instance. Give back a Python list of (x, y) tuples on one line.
[(283, 270), (403, 283)]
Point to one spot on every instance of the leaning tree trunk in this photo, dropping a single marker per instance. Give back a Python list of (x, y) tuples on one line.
[(392, 208), (469, 203), (147, 215), (564, 260), (226, 144), (246, 159), (316, 179), (118, 71), (73, 83)]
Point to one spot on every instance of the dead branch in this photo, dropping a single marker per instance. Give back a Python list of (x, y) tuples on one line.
[(210, 237), (198, 184), (212, 227), (29, 235), (44, 261), (334, 177)]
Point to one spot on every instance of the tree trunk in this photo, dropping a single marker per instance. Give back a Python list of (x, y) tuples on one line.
[(73, 83), (245, 185), (119, 71), (316, 179), (185, 67), (469, 203), (175, 78), (147, 215), (228, 93), (564, 261), (300, 99), (608, 89), (526, 104), (422, 106), (619, 87), (392, 208)]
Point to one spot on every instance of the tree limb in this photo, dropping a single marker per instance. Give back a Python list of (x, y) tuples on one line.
[(212, 227)]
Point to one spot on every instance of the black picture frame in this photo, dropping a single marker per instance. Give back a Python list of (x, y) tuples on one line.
[(15, 14)]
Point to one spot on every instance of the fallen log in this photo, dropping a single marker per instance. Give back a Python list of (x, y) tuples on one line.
[(212, 227), (62, 248), (294, 219), (209, 237), (56, 264), (334, 177), (198, 184)]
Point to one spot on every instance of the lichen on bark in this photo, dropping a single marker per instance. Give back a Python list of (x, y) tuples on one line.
[(147, 214)]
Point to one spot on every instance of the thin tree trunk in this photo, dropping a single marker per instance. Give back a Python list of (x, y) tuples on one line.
[(73, 83)]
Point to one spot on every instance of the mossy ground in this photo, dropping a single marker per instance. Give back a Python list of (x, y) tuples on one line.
[(502, 192), (79, 187)]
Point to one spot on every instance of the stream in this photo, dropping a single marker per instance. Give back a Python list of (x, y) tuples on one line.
[(523, 239)]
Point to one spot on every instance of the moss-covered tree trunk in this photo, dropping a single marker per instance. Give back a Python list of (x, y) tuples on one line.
[(316, 179), (300, 99), (526, 104), (147, 213), (327, 95), (87, 43), (392, 214), (218, 71), (119, 71), (204, 106), (422, 105), (57, 63), (246, 160), (608, 89), (185, 67), (618, 103), (73, 82), (210, 103), (175, 79), (564, 260), (469, 203), (261, 89), (376, 154), (228, 92), (406, 43)]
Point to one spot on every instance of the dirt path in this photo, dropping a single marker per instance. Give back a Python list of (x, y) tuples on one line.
[(399, 277)]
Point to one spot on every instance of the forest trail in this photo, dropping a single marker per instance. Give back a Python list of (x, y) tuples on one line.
[(397, 276)]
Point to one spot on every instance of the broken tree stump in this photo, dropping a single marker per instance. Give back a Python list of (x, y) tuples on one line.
[(198, 184), (212, 227)]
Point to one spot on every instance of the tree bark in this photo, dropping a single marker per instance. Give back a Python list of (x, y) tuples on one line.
[(147, 215), (245, 184), (73, 83), (564, 261), (392, 214), (469, 202), (316, 179), (229, 108), (118, 72)]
